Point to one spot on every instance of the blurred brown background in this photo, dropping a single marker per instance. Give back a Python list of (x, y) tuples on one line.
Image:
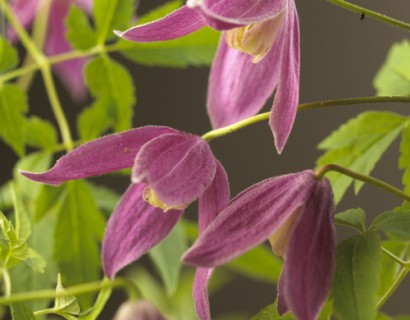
[(340, 56)]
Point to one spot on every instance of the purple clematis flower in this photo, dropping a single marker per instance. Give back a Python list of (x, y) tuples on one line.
[(70, 72), (295, 212), (171, 169), (258, 51)]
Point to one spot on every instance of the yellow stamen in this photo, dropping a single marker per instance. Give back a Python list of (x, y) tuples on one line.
[(151, 197)]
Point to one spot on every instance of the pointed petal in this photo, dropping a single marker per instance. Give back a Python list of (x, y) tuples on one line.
[(282, 305), (100, 156), (200, 292), (238, 88), (178, 167), (239, 12), (25, 11), (310, 257), (70, 72), (287, 96), (250, 218), (133, 229), (177, 24)]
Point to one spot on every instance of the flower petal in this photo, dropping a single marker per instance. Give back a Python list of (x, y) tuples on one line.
[(177, 24), (238, 88), (85, 4), (282, 304), (25, 10), (133, 229), (310, 257), (200, 292), (287, 96), (178, 167), (250, 218), (103, 155), (239, 12)]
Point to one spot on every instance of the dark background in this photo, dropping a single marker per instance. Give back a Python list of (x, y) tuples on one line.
[(340, 56)]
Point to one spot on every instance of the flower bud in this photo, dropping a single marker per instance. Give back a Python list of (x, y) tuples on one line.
[(138, 310)]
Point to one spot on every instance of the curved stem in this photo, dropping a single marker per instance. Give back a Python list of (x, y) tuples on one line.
[(320, 172), (394, 257), (396, 283), (304, 106), (7, 282), (372, 14)]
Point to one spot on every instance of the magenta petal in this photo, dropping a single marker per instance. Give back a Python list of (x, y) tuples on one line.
[(87, 5), (238, 88), (200, 292), (103, 155), (134, 228), (177, 24), (282, 304), (250, 219), (310, 255), (286, 100), (25, 10), (178, 167)]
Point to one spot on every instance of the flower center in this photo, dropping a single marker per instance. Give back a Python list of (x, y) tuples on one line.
[(255, 39), (151, 197)]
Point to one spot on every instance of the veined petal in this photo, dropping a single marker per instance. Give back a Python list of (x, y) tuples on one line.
[(237, 12), (178, 167), (250, 218), (238, 88), (25, 11), (110, 153), (310, 255), (133, 229), (287, 96), (177, 24), (200, 292)]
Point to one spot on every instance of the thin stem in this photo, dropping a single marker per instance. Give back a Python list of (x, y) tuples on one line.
[(132, 291), (394, 286), (358, 176), (394, 257), (7, 282), (304, 106), (372, 14)]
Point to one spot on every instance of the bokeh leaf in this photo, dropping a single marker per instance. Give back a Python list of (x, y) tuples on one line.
[(354, 218)]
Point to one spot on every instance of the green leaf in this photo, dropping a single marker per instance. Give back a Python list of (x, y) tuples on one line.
[(102, 299), (106, 198), (13, 105), (394, 223), (79, 32), (270, 312), (22, 218), (19, 311), (40, 133), (354, 218), (47, 200), (404, 159), (393, 78), (358, 145), (6, 199), (112, 85), (79, 226), (66, 304), (167, 258), (8, 56), (110, 15), (357, 277), (94, 120)]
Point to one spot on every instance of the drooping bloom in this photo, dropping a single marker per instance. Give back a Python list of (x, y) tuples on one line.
[(295, 212), (258, 52), (70, 72), (170, 169)]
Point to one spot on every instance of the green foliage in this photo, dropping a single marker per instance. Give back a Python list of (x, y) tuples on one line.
[(40, 133), (47, 200), (67, 304), (8, 56), (167, 258), (393, 78), (79, 224), (357, 275), (404, 160), (19, 311), (94, 120), (79, 31), (13, 105), (354, 218), (102, 299), (358, 145), (106, 198), (395, 224), (270, 312)]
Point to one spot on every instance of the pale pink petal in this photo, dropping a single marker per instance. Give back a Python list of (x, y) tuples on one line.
[(87, 5), (25, 11), (134, 227), (100, 156)]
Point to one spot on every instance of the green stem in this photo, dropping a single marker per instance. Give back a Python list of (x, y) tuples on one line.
[(132, 291), (305, 106), (394, 286), (372, 14), (7, 282), (394, 257), (320, 172)]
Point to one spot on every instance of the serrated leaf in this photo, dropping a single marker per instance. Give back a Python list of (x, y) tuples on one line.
[(358, 145), (40, 133), (270, 312), (167, 258), (404, 159), (79, 226), (356, 280), (110, 15), (13, 105), (354, 218), (393, 78), (79, 32), (47, 200), (394, 223), (8, 56), (19, 311), (94, 120), (112, 85), (99, 304), (66, 304)]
